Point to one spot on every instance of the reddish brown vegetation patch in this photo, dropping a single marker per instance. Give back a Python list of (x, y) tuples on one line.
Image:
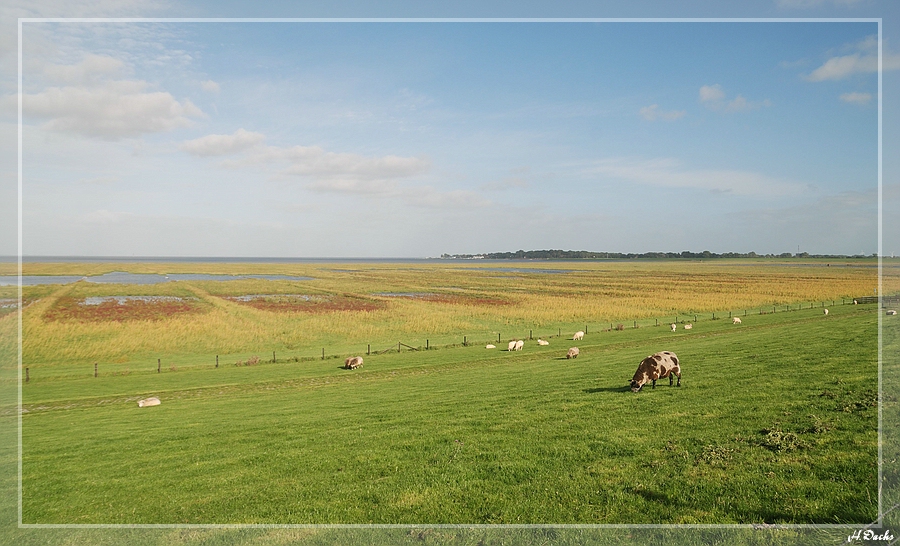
[(456, 299), (122, 309), (303, 303)]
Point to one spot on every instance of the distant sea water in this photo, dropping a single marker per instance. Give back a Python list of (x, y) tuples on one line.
[(207, 259)]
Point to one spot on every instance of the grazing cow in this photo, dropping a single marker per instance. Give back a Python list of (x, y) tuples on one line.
[(353, 362), (149, 402), (512, 346), (688, 326), (578, 335), (735, 320), (573, 353), (826, 312), (542, 342), (657, 366), (519, 345), (673, 326), (489, 346)]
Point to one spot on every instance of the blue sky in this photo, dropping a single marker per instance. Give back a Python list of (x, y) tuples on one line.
[(414, 139)]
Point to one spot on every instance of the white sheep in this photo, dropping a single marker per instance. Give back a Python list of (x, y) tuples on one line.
[(489, 346), (542, 342), (519, 345), (573, 353), (826, 312), (512, 346), (578, 335), (735, 320), (149, 402), (673, 326), (688, 326)]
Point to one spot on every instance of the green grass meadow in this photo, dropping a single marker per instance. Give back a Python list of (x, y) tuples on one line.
[(775, 423), (771, 439)]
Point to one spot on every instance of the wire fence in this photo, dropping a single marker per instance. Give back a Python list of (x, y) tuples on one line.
[(673, 321)]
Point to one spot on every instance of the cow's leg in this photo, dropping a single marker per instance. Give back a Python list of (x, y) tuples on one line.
[(654, 384), (679, 378)]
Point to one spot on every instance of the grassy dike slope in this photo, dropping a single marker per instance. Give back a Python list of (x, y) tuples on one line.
[(776, 423)]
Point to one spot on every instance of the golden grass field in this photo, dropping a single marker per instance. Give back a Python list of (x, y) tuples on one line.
[(477, 299)]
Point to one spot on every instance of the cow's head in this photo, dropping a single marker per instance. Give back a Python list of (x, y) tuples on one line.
[(637, 384)]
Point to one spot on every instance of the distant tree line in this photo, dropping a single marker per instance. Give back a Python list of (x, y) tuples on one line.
[(587, 255)]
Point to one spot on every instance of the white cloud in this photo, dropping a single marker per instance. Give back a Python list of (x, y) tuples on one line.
[(653, 113), (216, 145), (332, 172), (112, 110), (88, 71), (507, 183), (838, 68), (711, 93), (210, 86), (856, 98), (713, 97), (667, 172), (863, 61), (318, 164)]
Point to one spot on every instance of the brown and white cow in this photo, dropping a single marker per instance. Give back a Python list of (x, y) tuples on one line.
[(657, 366), (353, 362)]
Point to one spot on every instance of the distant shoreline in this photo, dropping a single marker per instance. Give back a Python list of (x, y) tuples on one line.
[(482, 258)]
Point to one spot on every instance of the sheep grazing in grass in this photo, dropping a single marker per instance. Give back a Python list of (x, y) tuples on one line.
[(489, 346), (154, 401), (353, 362), (512, 346), (573, 353), (578, 335), (673, 326), (688, 326), (542, 342), (826, 312), (735, 320), (519, 345), (656, 366)]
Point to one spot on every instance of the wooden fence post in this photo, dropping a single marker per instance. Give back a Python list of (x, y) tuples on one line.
[(323, 353), (426, 344), (368, 348), (26, 375), (159, 364), (217, 361), (498, 337), (530, 334), (95, 369), (465, 341)]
